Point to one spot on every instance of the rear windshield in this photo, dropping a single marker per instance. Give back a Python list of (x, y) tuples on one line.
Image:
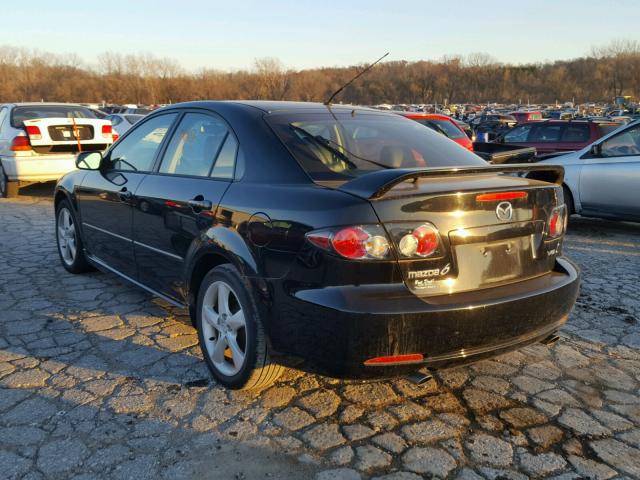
[(442, 126), (20, 114), (339, 146), (606, 128)]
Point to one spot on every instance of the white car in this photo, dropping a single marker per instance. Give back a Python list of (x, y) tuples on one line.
[(602, 179), (39, 141)]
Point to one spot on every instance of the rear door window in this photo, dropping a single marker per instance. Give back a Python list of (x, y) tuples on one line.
[(606, 128), (574, 133), (545, 133), (195, 145), (518, 134), (3, 115), (226, 161)]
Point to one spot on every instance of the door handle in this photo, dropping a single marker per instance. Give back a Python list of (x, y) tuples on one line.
[(199, 203), (125, 194)]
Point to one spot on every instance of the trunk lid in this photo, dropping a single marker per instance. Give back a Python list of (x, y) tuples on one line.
[(481, 247), (64, 134)]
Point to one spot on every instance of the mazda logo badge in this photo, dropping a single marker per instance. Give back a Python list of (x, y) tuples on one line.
[(504, 211)]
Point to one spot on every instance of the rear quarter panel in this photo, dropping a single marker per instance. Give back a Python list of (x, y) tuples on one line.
[(273, 219)]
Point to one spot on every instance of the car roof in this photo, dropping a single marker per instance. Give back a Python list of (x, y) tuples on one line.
[(45, 104), (272, 106), (566, 122), (433, 116)]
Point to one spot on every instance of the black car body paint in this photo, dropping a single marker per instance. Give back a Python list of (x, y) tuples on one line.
[(508, 283)]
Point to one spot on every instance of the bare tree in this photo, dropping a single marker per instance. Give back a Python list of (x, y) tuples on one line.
[(609, 70)]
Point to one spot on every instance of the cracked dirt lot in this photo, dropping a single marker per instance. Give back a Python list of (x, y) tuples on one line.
[(100, 380)]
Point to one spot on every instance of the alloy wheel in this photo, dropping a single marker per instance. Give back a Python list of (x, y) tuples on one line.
[(224, 328), (67, 236)]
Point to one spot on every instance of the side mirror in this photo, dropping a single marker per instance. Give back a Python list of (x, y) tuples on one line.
[(89, 160), (596, 150)]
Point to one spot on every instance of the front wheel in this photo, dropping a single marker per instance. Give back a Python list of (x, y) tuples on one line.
[(70, 247), (231, 333)]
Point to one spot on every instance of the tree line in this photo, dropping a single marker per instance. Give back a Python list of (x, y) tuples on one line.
[(607, 71)]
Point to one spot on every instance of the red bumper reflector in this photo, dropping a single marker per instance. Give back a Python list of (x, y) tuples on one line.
[(393, 359), (489, 197)]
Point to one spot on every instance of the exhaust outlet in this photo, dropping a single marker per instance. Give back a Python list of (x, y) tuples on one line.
[(420, 378), (550, 340)]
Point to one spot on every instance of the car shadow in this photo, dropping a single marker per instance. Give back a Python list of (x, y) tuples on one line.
[(106, 342), (75, 433), (590, 226), (38, 190)]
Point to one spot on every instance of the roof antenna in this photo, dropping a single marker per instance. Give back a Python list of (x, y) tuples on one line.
[(328, 102)]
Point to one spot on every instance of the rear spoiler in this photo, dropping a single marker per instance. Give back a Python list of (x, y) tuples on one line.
[(375, 184)]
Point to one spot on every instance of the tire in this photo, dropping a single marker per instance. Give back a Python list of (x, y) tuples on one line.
[(568, 200), (231, 325), (7, 189), (69, 240)]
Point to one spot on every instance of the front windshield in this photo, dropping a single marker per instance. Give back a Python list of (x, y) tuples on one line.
[(339, 146)]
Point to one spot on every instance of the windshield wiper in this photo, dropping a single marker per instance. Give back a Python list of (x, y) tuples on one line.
[(326, 143)]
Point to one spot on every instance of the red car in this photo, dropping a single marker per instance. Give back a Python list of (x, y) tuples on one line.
[(522, 117), (441, 124), (557, 135)]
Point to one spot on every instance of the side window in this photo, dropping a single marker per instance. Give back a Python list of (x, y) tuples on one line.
[(138, 149), (114, 120), (576, 133), (3, 115), (226, 160), (545, 133), (194, 145), (518, 134), (623, 144)]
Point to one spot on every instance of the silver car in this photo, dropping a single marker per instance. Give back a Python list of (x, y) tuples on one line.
[(603, 179), (123, 121)]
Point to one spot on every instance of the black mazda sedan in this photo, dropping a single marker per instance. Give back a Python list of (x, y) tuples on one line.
[(352, 242)]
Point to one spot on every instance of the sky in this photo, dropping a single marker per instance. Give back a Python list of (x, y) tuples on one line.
[(230, 35)]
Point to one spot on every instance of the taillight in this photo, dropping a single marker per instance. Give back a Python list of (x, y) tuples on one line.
[(491, 197), (416, 241), (34, 132), (115, 137), (557, 221), (20, 143), (362, 242), (107, 131)]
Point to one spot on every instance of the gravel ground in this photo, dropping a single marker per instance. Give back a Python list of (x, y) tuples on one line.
[(100, 380)]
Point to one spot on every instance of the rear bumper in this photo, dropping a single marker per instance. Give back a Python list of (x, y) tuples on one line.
[(38, 168), (335, 330)]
